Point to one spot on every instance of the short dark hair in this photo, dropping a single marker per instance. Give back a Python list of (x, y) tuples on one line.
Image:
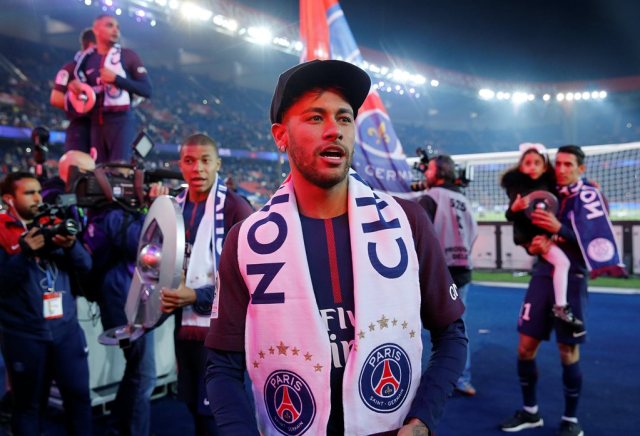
[(574, 150), (87, 37), (200, 139), (8, 185), (101, 16), (445, 168)]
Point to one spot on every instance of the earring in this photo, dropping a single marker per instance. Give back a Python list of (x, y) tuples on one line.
[(282, 148)]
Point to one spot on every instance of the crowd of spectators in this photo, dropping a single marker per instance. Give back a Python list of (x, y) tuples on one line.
[(234, 116), (237, 117)]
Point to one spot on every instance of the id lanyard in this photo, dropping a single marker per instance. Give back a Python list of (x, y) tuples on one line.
[(51, 299)]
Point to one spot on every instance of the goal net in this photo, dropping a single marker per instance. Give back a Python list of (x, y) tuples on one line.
[(616, 167)]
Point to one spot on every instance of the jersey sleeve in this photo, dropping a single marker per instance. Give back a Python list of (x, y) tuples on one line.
[(63, 77), (440, 304), (226, 328), (137, 80)]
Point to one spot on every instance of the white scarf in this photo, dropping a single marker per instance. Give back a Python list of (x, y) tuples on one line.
[(287, 348), (113, 96), (207, 247)]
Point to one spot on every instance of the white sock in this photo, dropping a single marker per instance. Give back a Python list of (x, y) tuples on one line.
[(531, 409), (570, 419)]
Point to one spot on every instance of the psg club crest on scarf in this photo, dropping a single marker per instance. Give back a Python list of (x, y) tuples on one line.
[(385, 378), (290, 403)]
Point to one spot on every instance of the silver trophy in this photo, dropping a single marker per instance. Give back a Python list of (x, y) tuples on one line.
[(159, 265)]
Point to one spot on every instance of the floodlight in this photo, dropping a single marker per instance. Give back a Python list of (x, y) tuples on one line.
[(282, 42), (569, 96), (560, 97), (603, 94), (259, 35), (519, 97), (435, 83), (546, 97), (192, 11), (486, 94)]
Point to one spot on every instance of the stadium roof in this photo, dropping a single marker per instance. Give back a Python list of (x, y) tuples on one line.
[(512, 40), (465, 44)]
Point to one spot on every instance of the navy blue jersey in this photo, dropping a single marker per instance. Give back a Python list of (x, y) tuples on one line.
[(328, 248), (136, 80), (328, 251)]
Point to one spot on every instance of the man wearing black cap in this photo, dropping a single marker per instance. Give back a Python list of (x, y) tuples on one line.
[(323, 292)]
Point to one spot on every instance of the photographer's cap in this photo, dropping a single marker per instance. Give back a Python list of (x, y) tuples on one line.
[(353, 82)]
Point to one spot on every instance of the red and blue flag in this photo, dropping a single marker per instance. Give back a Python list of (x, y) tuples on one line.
[(379, 157)]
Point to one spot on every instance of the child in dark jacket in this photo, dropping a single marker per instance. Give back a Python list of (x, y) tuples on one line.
[(534, 173)]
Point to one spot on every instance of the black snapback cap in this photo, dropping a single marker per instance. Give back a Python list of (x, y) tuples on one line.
[(353, 81)]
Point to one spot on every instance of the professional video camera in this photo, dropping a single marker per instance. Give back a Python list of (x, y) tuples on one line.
[(463, 175), (56, 219), (126, 185)]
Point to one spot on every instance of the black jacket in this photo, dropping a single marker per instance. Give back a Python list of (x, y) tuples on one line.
[(514, 182)]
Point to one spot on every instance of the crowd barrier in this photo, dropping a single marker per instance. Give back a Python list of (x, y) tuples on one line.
[(494, 249)]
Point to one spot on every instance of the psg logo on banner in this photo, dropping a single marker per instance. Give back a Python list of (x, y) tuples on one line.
[(385, 378), (379, 157), (377, 135), (290, 404)]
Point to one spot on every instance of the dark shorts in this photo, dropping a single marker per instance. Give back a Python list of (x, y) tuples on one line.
[(191, 359), (536, 318), (78, 135), (113, 137)]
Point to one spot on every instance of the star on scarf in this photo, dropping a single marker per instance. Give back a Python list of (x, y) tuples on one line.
[(308, 356), (271, 350), (412, 333), (361, 334), (256, 364), (372, 327), (282, 348), (384, 322), (394, 322), (295, 351), (404, 325), (318, 367), (261, 354)]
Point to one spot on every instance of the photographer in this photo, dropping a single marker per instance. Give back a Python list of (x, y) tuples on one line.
[(450, 213), (112, 237), (40, 336)]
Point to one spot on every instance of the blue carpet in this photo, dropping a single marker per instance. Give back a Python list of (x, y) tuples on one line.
[(610, 363)]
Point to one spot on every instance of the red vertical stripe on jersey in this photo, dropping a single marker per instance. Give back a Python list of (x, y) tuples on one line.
[(333, 261)]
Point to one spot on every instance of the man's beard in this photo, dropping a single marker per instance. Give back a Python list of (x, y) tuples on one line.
[(309, 172), (26, 213)]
